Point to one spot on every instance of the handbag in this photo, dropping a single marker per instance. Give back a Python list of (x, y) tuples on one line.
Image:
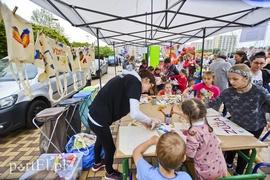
[(83, 143)]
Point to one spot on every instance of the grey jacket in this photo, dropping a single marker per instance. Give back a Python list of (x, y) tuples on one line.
[(220, 67)]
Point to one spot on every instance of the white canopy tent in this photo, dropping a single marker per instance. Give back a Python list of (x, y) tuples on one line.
[(152, 22)]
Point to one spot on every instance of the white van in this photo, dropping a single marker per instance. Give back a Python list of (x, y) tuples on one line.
[(17, 109)]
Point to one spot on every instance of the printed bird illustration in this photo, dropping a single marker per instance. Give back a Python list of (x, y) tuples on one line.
[(24, 38), (81, 55), (38, 55)]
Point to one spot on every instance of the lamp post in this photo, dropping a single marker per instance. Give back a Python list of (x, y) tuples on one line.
[(87, 38)]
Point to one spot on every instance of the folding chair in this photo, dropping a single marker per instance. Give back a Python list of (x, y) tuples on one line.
[(244, 177), (260, 162), (52, 129), (73, 122)]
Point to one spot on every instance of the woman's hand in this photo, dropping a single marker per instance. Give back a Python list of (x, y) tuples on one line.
[(147, 126), (153, 124)]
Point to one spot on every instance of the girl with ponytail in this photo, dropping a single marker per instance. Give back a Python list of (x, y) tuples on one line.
[(202, 144)]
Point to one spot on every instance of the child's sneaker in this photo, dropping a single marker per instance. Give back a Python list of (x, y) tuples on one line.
[(98, 166), (229, 166), (116, 175)]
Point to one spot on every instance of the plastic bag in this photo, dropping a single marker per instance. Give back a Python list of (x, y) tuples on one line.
[(83, 143)]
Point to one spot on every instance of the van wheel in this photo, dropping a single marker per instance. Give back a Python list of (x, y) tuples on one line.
[(35, 107)]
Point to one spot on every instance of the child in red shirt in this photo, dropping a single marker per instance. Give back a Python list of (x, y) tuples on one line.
[(181, 79)]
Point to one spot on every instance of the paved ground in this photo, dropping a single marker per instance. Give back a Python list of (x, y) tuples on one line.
[(19, 149)]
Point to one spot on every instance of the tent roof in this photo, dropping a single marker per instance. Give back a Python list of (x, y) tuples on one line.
[(162, 22)]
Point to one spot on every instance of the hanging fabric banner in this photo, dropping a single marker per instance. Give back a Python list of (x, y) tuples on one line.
[(20, 44), (60, 55), (75, 66), (44, 58)]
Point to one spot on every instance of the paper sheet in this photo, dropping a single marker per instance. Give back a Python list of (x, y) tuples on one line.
[(181, 126), (178, 127), (212, 112), (131, 136), (225, 127)]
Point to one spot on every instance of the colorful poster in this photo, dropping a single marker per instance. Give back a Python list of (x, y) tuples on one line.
[(172, 52)]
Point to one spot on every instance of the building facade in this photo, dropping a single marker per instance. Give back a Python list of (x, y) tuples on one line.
[(225, 42)]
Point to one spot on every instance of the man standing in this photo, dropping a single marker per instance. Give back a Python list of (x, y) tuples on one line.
[(220, 68)]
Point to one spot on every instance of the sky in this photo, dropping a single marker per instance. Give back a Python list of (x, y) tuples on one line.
[(25, 8)]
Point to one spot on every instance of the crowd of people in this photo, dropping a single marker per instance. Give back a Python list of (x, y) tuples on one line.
[(240, 84)]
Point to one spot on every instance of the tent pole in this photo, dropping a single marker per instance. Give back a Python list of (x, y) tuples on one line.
[(98, 58), (170, 50), (202, 52), (166, 15), (114, 59), (151, 19)]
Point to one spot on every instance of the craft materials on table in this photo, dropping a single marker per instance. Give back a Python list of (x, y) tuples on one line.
[(225, 127), (131, 136), (166, 127), (167, 117), (145, 100), (182, 130), (172, 99)]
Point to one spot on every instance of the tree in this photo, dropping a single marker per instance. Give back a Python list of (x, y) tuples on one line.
[(3, 41), (103, 51), (79, 44), (216, 50), (52, 33), (45, 18)]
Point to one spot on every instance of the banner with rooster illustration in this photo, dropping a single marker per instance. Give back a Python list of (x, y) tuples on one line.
[(83, 57), (20, 38), (20, 44)]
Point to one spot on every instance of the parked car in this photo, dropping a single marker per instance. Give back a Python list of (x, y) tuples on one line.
[(112, 61), (99, 71), (17, 109)]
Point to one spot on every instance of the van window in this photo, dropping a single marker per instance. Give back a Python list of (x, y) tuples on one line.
[(6, 74)]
